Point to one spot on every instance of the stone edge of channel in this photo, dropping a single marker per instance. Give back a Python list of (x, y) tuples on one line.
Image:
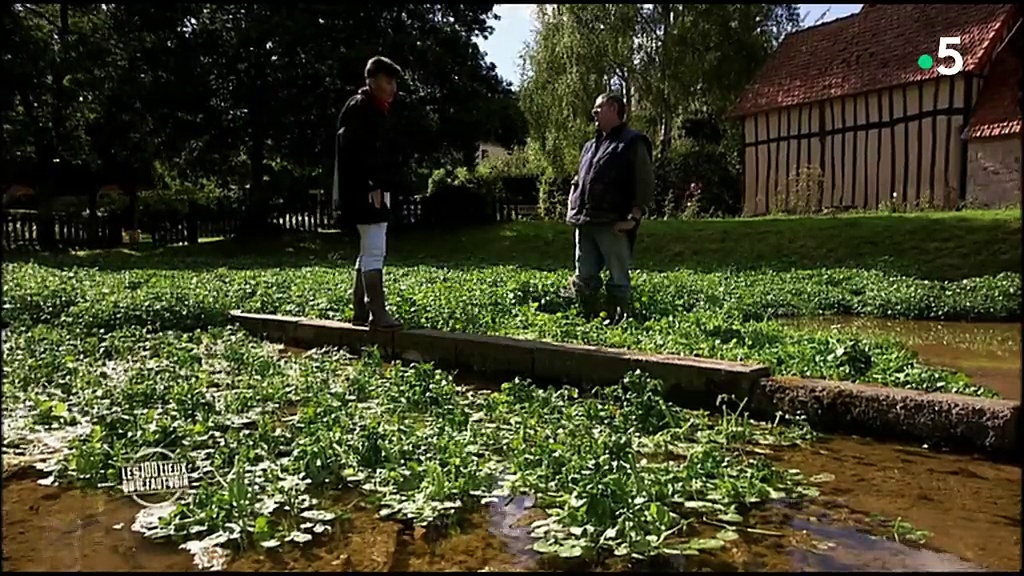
[(960, 422)]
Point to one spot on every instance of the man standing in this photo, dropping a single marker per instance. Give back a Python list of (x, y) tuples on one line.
[(362, 187), (609, 196)]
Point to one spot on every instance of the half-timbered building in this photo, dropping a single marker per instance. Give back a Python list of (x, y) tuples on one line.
[(855, 113), (994, 132)]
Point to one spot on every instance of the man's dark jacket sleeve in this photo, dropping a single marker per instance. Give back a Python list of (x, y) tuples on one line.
[(643, 172)]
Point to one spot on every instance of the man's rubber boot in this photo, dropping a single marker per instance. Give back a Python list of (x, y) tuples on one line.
[(360, 313), (618, 310), (590, 305), (380, 319)]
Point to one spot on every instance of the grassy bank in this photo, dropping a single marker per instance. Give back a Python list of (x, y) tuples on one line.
[(937, 246), (941, 245)]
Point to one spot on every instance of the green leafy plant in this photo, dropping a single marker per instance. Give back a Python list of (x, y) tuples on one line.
[(729, 316), (900, 530), (271, 439)]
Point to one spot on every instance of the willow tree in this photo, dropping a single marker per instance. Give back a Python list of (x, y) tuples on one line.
[(669, 61), (576, 53)]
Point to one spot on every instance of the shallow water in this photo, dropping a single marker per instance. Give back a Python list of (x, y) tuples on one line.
[(988, 352), (971, 507), (510, 521), (856, 552)]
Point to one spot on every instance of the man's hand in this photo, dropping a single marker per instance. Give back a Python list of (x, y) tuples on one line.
[(375, 198), (627, 225), (624, 226)]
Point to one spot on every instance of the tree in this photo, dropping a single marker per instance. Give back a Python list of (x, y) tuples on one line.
[(565, 69), (671, 62), (245, 96)]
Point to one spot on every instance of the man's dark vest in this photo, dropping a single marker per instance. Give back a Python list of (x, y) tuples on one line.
[(606, 185)]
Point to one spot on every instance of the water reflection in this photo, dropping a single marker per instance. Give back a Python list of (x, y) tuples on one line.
[(844, 549), (509, 519)]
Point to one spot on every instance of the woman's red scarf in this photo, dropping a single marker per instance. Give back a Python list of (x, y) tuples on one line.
[(382, 105)]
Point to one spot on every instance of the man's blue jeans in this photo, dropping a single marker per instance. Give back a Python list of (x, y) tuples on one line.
[(599, 246)]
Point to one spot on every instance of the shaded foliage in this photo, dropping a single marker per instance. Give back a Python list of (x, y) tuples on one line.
[(244, 95)]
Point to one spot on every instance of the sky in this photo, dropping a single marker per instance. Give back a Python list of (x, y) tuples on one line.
[(516, 27)]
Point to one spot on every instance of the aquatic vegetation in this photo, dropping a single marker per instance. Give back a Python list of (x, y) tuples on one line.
[(900, 530), (729, 316), (270, 438), (99, 365)]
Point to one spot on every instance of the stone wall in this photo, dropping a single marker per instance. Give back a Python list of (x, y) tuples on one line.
[(993, 171)]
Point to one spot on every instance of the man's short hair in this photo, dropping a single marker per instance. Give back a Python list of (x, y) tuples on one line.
[(379, 65), (617, 100)]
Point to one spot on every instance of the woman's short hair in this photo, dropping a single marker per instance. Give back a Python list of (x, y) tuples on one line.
[(379, 65)]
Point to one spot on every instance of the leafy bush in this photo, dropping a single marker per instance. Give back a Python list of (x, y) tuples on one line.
[(713, 167), (464, 195), (715, 170), (112, 201), (173, 197), (516, 176), (554, 197), (459, 197), (805, 193), (19, 198), (70, 205), (461, 177), (518, 162)]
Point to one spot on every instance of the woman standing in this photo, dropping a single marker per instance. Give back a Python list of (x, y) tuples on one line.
[(362, 187)]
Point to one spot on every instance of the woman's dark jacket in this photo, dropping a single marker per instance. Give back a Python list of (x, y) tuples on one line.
[(362, 161)]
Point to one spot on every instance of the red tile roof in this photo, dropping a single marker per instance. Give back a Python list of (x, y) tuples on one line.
[(876, 48), (997, 111)]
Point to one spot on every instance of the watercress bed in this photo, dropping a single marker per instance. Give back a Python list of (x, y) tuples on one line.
[(100, 363), (272, 439), (717, 315)]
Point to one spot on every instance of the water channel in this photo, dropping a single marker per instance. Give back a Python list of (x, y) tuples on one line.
[(969, 508), (988, 352), (882, 507)]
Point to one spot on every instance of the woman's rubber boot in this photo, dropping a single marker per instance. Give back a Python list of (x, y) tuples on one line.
[(360, 312), (380, 319)]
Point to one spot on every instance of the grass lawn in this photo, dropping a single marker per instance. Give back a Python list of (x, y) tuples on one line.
[(936, 245), (940, 245)]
